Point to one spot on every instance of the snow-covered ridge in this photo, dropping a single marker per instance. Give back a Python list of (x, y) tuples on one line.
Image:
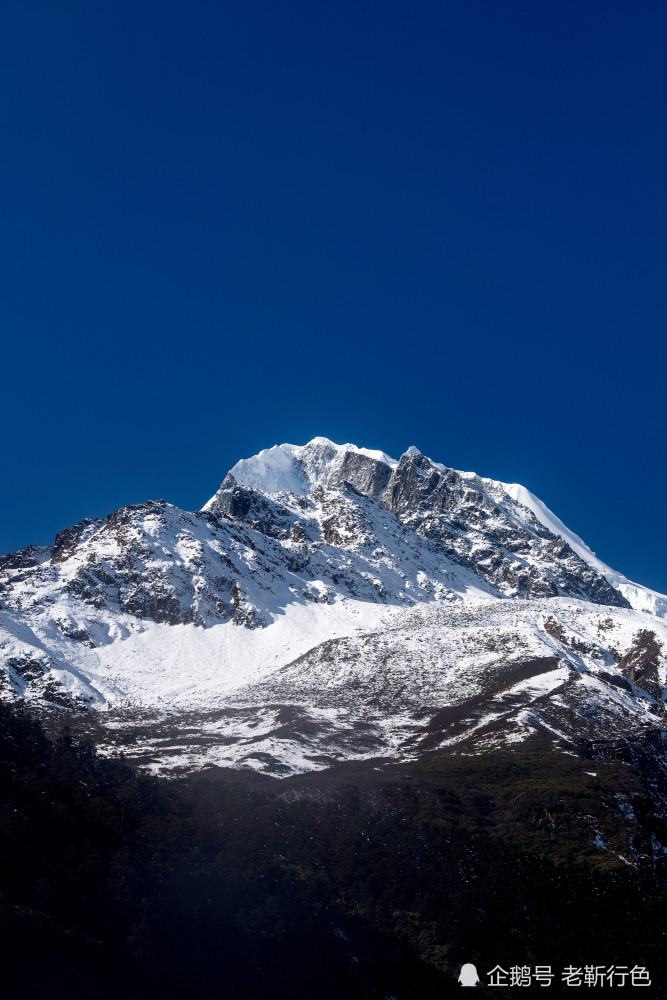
[(641, 598), (290, 468)]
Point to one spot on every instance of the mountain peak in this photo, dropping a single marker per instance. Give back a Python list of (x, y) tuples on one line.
[(290, 468), (301, 469)]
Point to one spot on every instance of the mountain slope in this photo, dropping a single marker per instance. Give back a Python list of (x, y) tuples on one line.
[(640, 598)]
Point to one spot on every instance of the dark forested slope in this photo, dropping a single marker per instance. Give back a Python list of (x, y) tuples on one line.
[(372, 881)]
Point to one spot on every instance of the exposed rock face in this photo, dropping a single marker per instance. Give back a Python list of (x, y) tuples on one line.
[(368, 475), (67, 541), (240, 503), (501, 540), (27, 558), (641, 662)]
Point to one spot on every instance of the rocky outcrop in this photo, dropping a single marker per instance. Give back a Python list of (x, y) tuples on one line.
[(67, 541), (640, 663), (27, 558), (244, 504), (368, 475), (499, 539)]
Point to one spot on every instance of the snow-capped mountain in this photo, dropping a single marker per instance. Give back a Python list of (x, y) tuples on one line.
[(330, 601)]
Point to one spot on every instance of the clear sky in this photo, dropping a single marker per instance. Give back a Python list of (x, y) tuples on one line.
[(226, 225)]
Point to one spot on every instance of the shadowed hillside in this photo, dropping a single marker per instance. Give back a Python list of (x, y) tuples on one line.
[(359, 881)]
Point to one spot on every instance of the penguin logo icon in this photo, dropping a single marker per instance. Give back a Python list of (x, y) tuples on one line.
[(468, 975)]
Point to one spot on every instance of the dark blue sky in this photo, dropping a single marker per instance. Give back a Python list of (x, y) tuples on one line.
[(228, 225)]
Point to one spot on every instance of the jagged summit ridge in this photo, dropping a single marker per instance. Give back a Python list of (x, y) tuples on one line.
[(289, 468), (300, 469), (473, 522)]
